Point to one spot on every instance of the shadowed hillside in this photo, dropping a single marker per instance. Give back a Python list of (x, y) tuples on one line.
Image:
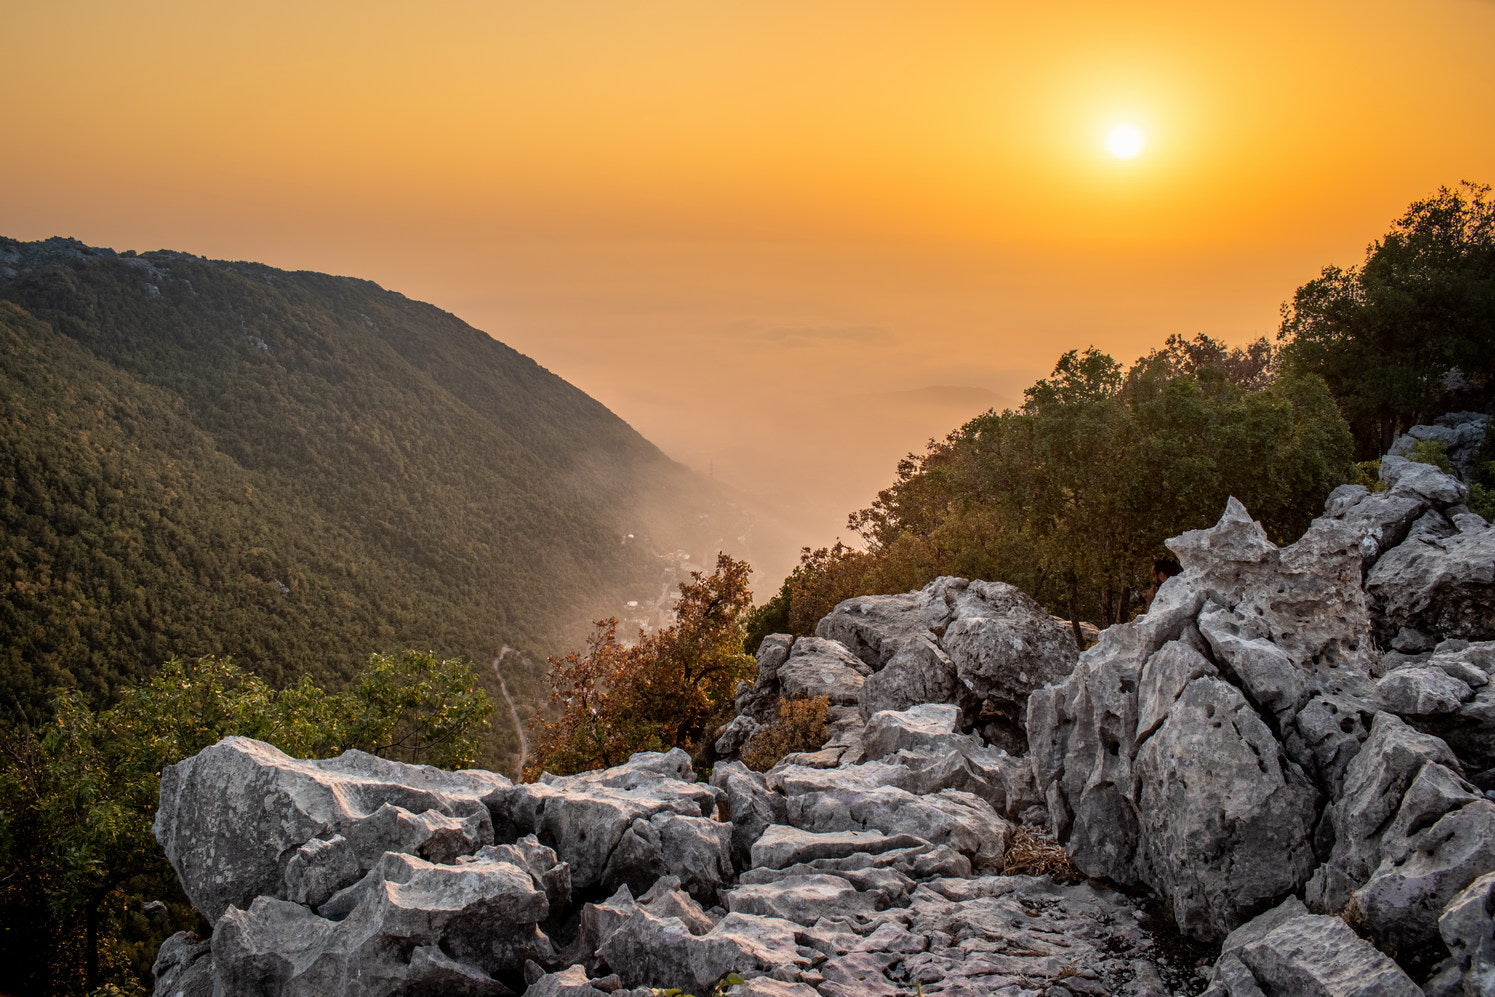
[(295, 469)]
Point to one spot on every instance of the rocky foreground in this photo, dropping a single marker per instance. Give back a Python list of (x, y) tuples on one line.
[(1276, 782)]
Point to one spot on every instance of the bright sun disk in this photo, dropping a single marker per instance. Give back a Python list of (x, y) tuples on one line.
[(1125, 141)]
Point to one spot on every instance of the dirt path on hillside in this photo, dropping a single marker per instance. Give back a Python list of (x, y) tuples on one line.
[(503, 688)]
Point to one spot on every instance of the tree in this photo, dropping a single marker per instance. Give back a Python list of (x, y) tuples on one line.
[(1071, 497), (670, 689), (1412, 329), (78, 796)]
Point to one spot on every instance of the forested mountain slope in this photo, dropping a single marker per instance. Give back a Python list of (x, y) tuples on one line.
[(295, 469)]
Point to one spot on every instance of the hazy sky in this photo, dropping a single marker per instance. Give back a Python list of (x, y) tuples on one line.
[(760, 231)]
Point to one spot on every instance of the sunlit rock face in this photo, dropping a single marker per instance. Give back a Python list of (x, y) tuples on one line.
[(1286, 763)]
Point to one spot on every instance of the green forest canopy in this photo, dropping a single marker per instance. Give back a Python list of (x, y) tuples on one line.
[(1071, 496)]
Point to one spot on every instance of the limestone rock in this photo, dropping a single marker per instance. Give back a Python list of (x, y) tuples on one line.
[(1441, 586), (751, 806), (930, 725), (780, 847), (874, 627), (1467, 926), (1290, 951), (647, 950), (229, 813), (818, 667), (478, 922), (184, 967), (1213, 781), (802, 899), (1004, 645), (1172, 756), (630, 810), (918, 671)]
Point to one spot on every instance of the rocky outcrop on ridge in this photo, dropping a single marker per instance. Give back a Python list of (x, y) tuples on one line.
[(1459, 433), (1283, 767), (983, 646)]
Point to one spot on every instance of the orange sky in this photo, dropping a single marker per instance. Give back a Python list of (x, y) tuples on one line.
[(759, 231)]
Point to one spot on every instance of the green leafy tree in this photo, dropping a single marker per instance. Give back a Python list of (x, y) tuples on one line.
[(1386, 335), (669, 689), (1071, 497), (79, 794)]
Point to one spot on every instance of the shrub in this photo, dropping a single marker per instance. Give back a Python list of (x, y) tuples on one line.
[(1431, 452), (800, 726)]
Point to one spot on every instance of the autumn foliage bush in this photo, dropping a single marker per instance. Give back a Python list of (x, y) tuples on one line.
[(669, 689), (800, 726)]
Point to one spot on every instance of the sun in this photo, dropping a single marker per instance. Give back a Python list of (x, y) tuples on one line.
[(1125, 141)]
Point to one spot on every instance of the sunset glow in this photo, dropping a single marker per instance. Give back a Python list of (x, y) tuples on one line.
[(830, 213), (1125, 141)]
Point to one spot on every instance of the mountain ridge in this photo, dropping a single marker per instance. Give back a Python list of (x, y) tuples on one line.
[(298, 469)]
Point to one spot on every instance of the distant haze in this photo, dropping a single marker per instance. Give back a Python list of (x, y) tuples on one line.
[(788, 242)]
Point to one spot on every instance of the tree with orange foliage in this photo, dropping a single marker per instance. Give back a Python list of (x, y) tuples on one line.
[(670, 689)]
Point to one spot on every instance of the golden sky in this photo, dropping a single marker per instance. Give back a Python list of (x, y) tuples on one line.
[(760, 231)]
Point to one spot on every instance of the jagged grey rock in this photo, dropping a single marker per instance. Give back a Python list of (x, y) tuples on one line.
[(858, 798), (1186, 718), (819, 667), (1422, 691), (1467, 926), (1439, 585), (184, 967), (1290, 951), (1004, 645), (802, 899), (1213, 781), (1405, 895), (780, 847), (917, 672), (874, 627), (478, 921), (932, 724), (649, 950), (751, 806), (1245, 729), (231, 812), (634, 807)]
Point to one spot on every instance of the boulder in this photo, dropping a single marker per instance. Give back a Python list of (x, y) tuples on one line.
[(818, 667), (608, 825), (1444, 586), (751, 806), (1290, 951), (1213, 781), (874, 627), (477, 923), (648, 950), (802, 899), (918, 671), (1172, 755), (780, 847), (965, 822), (930, 725), (1004, 645), (184, 967), (1467, 927), (231, 815)]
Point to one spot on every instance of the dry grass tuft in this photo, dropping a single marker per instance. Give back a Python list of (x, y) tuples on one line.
[(1033, 853)]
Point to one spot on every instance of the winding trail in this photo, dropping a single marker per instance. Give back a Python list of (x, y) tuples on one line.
[(503, 688)]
